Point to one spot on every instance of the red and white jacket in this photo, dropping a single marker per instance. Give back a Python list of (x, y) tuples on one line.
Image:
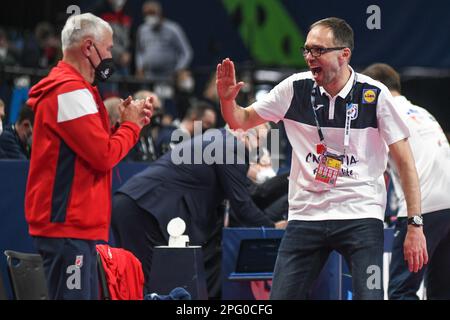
[(123, 272), (69, 182)]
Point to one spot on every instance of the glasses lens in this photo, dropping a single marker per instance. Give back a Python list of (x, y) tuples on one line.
[(315, 52)]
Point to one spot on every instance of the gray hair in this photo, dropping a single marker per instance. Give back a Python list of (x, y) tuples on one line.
[(80, 26)]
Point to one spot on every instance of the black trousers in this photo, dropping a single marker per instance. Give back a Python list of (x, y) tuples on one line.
[(138, 231)]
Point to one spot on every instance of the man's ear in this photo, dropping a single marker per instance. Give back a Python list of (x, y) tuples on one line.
[(86, 46), (346, 54)]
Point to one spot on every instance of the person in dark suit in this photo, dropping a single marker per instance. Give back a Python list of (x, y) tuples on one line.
[(190, 182), (15, 141)]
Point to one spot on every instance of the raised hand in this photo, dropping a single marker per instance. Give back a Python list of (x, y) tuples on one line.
[(124, 103), (148, 110), (227, 88), (138, 111)]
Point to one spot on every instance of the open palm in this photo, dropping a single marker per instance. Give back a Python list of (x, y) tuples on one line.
[(227, 88)]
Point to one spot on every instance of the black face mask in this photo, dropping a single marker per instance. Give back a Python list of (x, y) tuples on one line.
[(105, 68)]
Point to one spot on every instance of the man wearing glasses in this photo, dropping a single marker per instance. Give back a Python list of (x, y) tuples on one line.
[(341, 126)]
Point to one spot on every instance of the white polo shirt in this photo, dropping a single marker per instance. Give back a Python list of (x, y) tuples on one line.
[(360, 191), (431, 152)]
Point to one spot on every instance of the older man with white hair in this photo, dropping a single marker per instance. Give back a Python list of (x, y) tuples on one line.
[(68, 196)]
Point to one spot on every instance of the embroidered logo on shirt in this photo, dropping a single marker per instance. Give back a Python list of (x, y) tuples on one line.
[(352, 111)]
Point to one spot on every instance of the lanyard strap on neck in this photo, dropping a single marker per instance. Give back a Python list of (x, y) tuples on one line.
[(313, 106), (348, 115)]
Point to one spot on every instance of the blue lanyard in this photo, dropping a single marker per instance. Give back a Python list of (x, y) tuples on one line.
[(313, 104)]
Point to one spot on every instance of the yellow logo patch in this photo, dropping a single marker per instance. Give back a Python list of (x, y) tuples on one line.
[(369, 96)]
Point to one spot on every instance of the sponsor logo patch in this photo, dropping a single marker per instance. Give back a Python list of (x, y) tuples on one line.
[(369, 96)]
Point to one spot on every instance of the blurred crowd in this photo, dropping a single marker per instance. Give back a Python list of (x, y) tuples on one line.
[(151, 58)]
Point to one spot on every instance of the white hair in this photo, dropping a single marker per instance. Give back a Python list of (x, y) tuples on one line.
[(80, 26)]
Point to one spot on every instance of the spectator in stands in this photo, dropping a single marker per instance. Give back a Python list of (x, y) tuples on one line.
[(116, 14), (68, 195), (49, 43), (42, 48), (7, 56), (210, 96), (145, 148), (15, 142), (431, 153), (201, 112), (2, 115), (162, 48), (158, 109), (184, 97), (172, 187), (262, 170)]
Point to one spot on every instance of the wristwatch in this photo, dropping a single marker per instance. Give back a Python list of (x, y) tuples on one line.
[(416, 221)]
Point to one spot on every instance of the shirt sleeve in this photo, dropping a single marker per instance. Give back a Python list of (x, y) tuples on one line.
[(391, 123), (80, 125), (274, 105)]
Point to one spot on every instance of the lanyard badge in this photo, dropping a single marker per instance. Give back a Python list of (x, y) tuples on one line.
[(330, 163), (329, 168)]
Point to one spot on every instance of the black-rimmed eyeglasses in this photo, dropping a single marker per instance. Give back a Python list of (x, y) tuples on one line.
[(318, 51)]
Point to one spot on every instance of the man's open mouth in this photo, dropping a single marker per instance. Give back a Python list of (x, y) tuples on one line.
[(315, 71)]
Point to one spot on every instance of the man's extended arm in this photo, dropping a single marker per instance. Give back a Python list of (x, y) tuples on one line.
[(415, 247), (236, 116)]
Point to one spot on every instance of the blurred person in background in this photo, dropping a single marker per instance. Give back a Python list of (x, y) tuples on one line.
[(184, 96), (2, 115), (8, 56), (115, 12), (15, 142), (268, 190), (200, 112), (210, 95), (431, 152), (42, 49), (162, 48), (145, 149)]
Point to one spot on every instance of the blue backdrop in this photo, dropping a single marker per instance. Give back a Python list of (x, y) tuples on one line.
[(413, 32)]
